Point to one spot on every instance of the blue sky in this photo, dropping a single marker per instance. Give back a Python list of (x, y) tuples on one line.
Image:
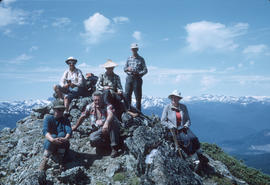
[(199, 47)]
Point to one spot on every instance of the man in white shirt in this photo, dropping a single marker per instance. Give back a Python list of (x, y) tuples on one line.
[(71, 84)]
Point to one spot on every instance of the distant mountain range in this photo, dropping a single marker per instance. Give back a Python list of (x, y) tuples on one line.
[(240, 125)]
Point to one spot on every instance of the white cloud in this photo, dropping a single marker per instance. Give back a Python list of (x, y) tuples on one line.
[(20, 59), (11, 16), (209, 35), (120, 20), (95, 27), (137, 35), (208, 81), (255, 49), (61, 22)]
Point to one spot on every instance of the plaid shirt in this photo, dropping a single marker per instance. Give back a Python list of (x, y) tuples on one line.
[(91, 112), (137, 65), (113, 81)]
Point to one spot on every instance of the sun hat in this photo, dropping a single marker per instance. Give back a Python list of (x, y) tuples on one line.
[(109, 64), (134, 45), (71, 59), (58, 104), (175, 93)]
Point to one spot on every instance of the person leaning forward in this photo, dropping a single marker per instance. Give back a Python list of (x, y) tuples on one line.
[(57, 131), (71, 83), (109, 84), (175, 117), (101, 115), (135, 68)]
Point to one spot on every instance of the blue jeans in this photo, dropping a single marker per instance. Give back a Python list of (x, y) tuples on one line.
[(52, 147), (71, 93)]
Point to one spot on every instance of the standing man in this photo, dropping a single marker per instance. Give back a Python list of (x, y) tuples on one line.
[(71, 83), (135, 68), (57, 131), (101, 115), (109, 84)]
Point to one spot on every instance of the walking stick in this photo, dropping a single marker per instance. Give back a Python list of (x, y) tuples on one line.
[(176, 143)]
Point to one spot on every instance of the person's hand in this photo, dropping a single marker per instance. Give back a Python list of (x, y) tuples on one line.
[(74, 128), (106, 87), (72, 85), (99, 122), (119, 93), (63, 139), (105, 128), (185, 130), (56, 141), (129, 69)]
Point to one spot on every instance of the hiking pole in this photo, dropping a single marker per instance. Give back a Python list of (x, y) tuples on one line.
[(176, 143)]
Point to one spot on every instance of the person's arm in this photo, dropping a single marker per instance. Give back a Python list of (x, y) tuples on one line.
[(118, 85), (108, 120), (126, 67), (46, 130), (144, 68), (79, 122), (164, 118), (187, 119), (63, 80)]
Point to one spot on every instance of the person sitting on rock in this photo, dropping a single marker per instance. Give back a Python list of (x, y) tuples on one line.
[(109, 84), (71, 84), (175, 117), (101, 115), (57, 131)]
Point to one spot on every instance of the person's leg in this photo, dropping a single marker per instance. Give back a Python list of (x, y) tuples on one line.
[(97, 139), (114, 138), (60, 91), (49, 148), (128, 90), (138, 92)]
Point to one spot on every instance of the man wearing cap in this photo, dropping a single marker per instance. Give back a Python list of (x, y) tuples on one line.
[(135, 68), (109, 84), (101, 116), (71, 83), (57, 131)]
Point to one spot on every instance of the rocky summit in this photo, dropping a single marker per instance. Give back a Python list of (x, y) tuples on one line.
[(148, 155)]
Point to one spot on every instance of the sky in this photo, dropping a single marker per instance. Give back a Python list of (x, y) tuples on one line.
[(196, 46)]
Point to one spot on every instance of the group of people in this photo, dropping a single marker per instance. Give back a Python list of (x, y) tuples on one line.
[(105, 110)]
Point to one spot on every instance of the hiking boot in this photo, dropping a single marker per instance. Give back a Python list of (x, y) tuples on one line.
[(114, 153), (43, 164), (203, 159)]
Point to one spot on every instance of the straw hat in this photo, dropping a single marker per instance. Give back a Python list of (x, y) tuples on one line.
[(134, 45), (71, 59), (175, 93), (109, 64)]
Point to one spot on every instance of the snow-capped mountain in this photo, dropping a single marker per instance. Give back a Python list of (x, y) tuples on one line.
[(19, 107)]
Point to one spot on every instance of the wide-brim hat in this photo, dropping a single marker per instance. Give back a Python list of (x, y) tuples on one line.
[(175, 93), (134, 45), (109, 64), (71, 59), (58, 104)]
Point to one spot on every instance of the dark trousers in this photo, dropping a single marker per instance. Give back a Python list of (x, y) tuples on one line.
[(189, 141), (134, 83), (115, 100), (98, 139)]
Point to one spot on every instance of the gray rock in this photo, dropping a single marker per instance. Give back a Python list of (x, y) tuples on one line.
[(75, 175), (113, 168)]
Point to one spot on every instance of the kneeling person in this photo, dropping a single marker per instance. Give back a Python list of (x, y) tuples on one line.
[(101, 115), (57, 131)]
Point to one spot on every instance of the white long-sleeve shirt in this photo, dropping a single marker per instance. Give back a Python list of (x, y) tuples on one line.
[(76, 77)]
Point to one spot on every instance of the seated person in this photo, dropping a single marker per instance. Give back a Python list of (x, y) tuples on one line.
[(71, 83), (57, 131), (175, 117), (101, 115), (110, 85)]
